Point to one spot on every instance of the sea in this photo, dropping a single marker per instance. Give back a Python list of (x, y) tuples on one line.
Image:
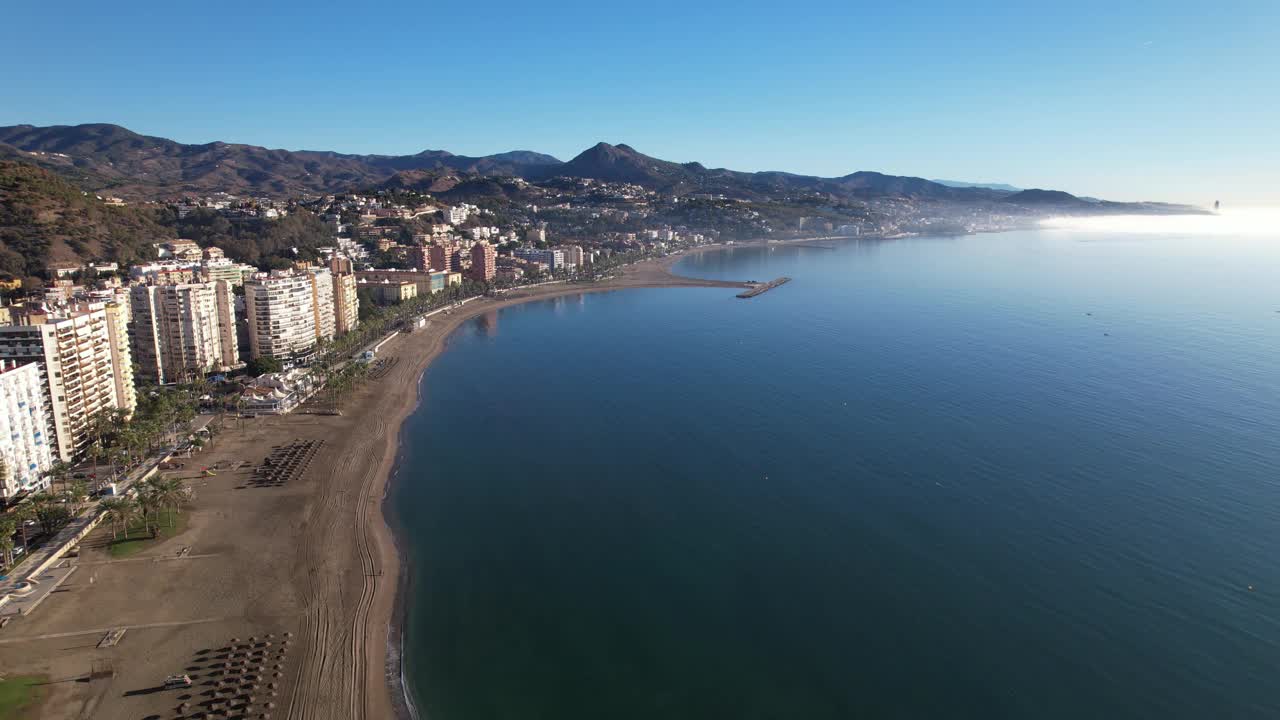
[(1031, 474)]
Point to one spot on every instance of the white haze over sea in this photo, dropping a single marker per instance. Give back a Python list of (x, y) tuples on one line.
[(1237, 222)]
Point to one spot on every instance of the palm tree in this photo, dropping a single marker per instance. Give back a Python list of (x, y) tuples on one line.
[(59, 471), (23, 514), (170, 494), (6, 540), (149, 502), (120, 511)]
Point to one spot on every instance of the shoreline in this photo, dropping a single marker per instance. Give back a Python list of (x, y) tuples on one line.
[(389, 610)]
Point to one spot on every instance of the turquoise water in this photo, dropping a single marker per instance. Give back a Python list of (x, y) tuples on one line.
[(1005, 476)]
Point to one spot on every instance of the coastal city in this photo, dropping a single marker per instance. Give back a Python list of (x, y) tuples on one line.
[(129, 390), (83, 345), (205, 378)]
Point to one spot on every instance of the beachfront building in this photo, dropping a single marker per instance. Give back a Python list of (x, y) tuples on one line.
[(346, 303), (83, 354), (553, 258), (390, 291), (484, 259), (278, 393), (25, 446), (177, 332), (228, 333), (280, 316), (323, 305), (574, 256), (117, 316)]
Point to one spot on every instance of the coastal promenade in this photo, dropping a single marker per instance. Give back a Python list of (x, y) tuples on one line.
[(22, 591)]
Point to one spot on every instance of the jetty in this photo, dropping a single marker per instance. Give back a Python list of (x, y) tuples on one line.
[(761, 288)]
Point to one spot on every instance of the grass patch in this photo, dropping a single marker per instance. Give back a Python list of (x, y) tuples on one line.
[(140, 539), (19, 694)]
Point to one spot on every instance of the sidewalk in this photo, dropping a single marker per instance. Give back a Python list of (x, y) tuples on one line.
[(42, 558)]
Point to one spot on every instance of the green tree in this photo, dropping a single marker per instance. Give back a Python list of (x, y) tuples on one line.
[(148, 501), (263, 365), (50, 513), (170, 495), (22, 515), (59, 471), (78, 493), (121, 511), (6, 540)]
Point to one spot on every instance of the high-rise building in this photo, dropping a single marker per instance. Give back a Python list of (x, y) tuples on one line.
[(442, 255), (574, 255), (323, 303), (26, 442), (84, 362), (346, 303), (176, 334), (117, 313), (484, 262), (228, 335), (340, 265), (419, 257), (281, 317)]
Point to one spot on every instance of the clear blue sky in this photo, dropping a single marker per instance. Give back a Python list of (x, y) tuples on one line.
[(1162, 100)]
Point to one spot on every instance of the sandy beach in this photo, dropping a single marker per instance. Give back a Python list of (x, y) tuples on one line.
[(280, 594)]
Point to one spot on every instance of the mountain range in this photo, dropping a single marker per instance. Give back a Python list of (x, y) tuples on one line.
[(114, 160)]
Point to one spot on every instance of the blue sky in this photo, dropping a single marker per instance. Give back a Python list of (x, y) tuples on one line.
[(1170, 100)]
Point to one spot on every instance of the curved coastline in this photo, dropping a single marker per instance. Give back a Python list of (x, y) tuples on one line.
[(390, 605)]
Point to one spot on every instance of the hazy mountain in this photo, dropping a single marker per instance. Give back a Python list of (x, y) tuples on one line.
[(1044, 197), (622, 163), (985, 186)]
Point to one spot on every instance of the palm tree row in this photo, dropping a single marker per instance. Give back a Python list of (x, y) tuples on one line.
[(152, 498)]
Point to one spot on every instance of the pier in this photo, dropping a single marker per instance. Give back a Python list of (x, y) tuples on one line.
[(761, 288)]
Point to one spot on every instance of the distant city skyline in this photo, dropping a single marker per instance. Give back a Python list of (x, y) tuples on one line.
[(1092, 98)]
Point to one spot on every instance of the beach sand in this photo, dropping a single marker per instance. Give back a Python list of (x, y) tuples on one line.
[(313, 558)]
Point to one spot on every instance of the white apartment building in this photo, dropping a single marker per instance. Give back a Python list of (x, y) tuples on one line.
[(281, 317), (176, 333), (552, 257), (215, 269), (25, 439), (457, 214), (84, 361)]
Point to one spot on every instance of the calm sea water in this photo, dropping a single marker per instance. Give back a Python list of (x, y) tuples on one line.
[(1027, 475)]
